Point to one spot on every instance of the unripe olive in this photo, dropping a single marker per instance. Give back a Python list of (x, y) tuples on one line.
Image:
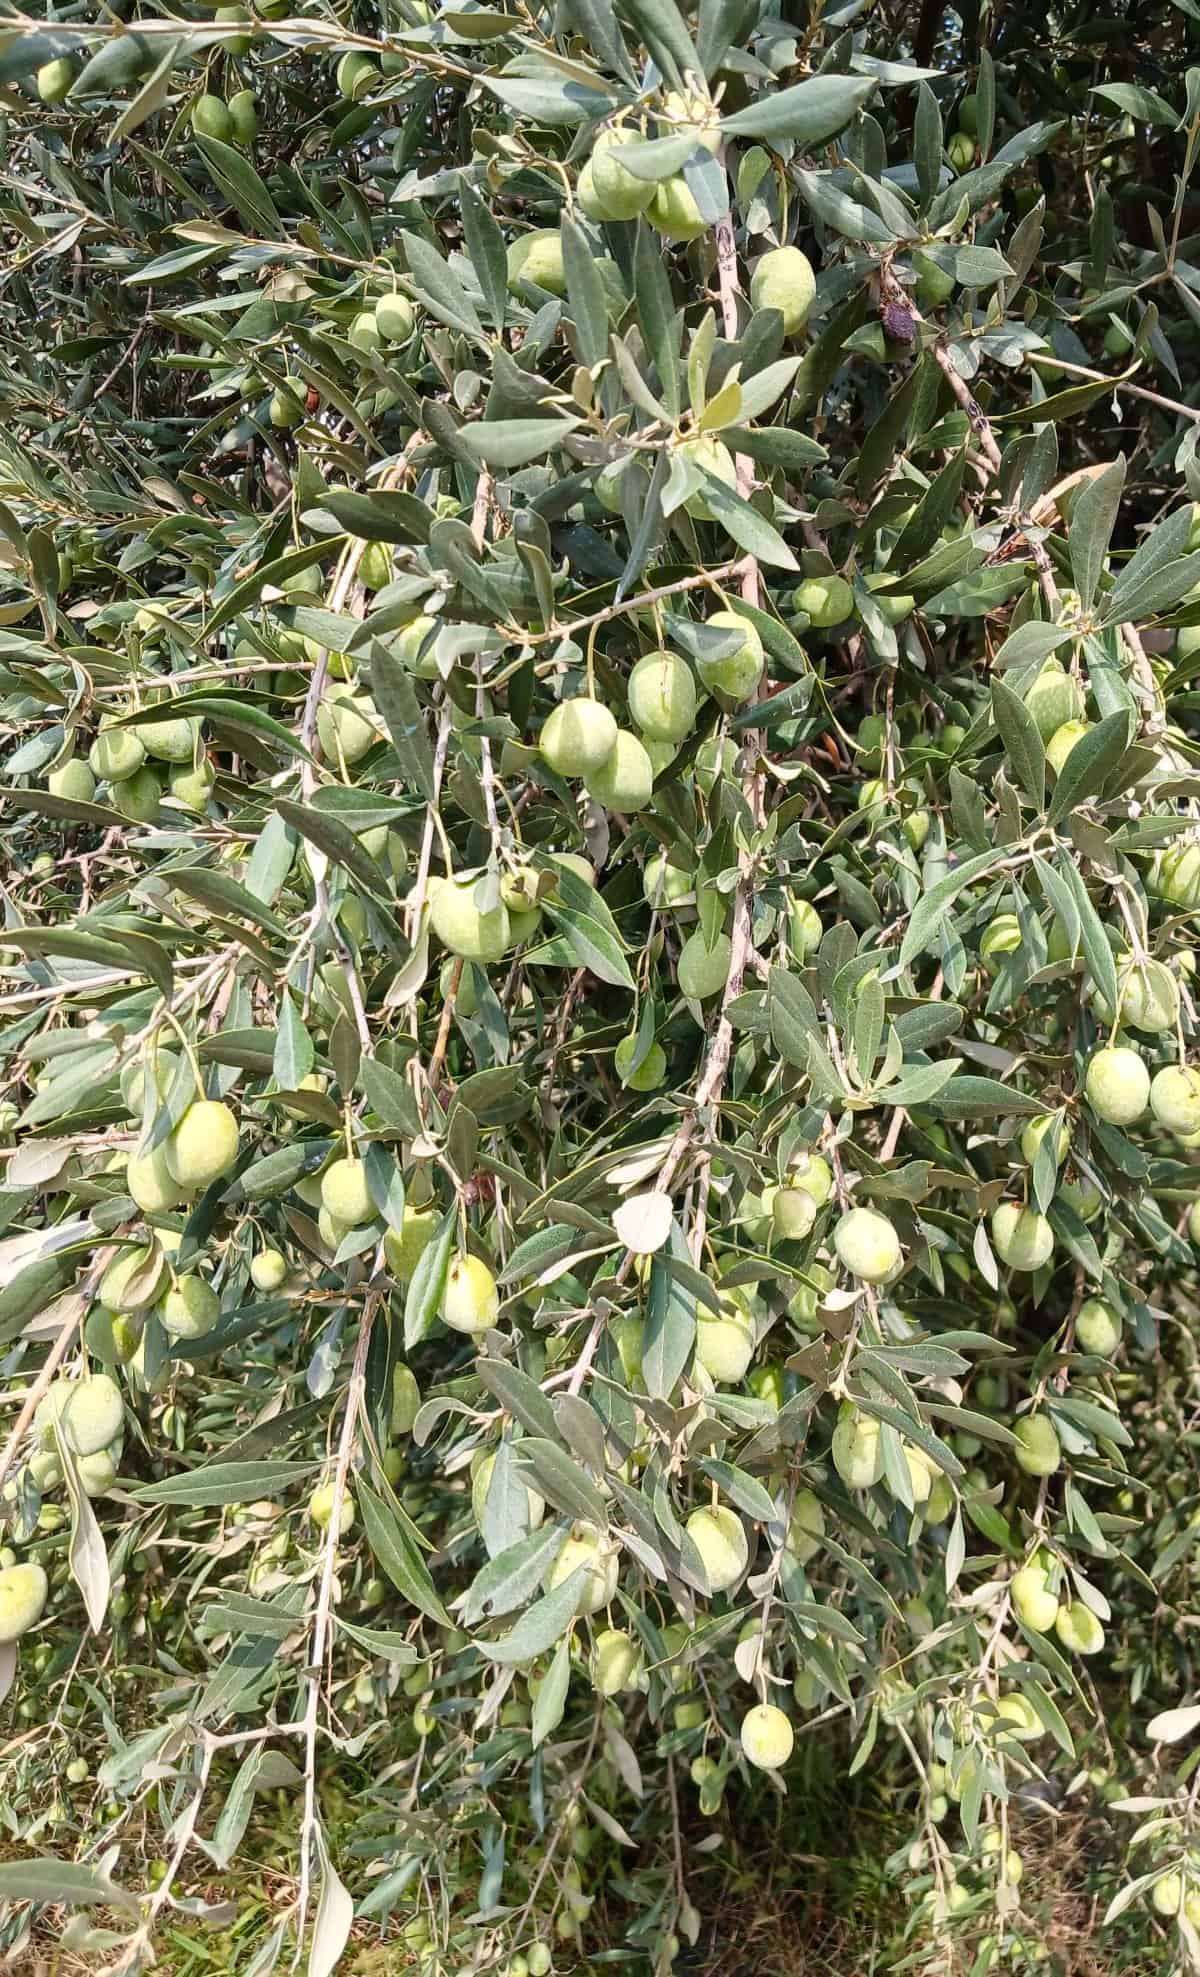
[(1035, 1132), (394, 318), (413, 645), (607, 191), (1018, 1719), (968, 114), (804, 929), (147, 1079), (243, 117), (1078, 1628), (356, 74), (190, 1308), (650, 1072), (867, 1245), (211, 118), (1177, 873), (1175, 1098), (825, 601), (463, 928), (1022, 1239), (345, 1194), (578, 737), (703, 970), (23, 1592), (150, 1181), (720, 1537), (806, 1527), (538, 258), (470, 1301), (616, 1662), (674, 212), (173, 739), (1054, 698), (895, 606), (54, 79), (320, 1508), (625, 778), (74, 779), (736, 675), (666, 886), (116, 754), (132, 1280), (481, 1477), (287, 408), (662, 696), (1039, 1451), (921, 1473), (1063, 740), (1117, 1085), (403, 1252), (713, 457), (725, 1344), (783, 279), (1167, 1894), (766, 1737), (961, 151), (1035, 1604), (112, 1336), (87, 1413), (857, 1455), (406, 1400), (1098, 1328), (204, 1144), (191, 788), (793, 1212), (137, 797), (587, 1548), (1000, 938), (347, 727), (268, 1270), (934, 284), (98, 1472), (1150, 998), (363, 333), (803, 1303)]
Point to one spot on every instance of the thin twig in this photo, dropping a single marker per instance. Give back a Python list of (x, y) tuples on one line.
[(893, 295), (1117, 384), (132, 1956), (700, 580), (443, 1035), (728, 286), (324, 1609)]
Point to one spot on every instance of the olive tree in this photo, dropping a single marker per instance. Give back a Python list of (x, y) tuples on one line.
[(597, 654)]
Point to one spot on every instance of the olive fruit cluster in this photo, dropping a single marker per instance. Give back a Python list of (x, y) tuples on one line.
[(232, 122), (140, 765)]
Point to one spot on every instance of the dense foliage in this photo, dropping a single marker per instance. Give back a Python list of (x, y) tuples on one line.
[(598, 631)]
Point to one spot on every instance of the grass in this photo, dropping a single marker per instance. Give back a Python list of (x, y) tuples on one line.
[(811, 1884)]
